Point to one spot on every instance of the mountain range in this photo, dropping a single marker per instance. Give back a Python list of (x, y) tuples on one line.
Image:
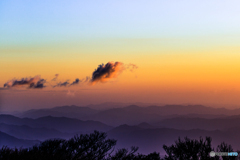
[(132, 114), (63, 124), (146, 127)]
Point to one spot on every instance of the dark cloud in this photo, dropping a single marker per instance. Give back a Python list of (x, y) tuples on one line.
[(104, 72), (75, 82), (35, 82), (40, 84), (67, 84), (62, 84), (55, 78)]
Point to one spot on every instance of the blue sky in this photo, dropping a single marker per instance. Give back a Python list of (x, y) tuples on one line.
[(27, 21)]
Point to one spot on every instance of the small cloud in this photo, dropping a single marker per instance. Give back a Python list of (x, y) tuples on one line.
[(131, 67), (87, 79), (75, 82), (40, 84), (60, 84), (55, 78), (67, 84), (105, 72), (35, 82)]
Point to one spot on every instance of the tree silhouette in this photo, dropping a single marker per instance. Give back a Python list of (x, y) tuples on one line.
[(96, 146), (124, 154), (224, 147), (93, 146), (189, 149)]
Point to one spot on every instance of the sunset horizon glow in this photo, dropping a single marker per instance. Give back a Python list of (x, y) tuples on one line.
[(180, 53)]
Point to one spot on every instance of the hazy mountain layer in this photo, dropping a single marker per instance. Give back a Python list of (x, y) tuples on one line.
[(63, 124), (13, 142), (133, 114)]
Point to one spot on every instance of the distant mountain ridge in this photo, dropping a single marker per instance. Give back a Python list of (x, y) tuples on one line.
[(61, 111), (30, 133), (62, 124), (132, 114), (148, 137), (199, 123), (13, 142)]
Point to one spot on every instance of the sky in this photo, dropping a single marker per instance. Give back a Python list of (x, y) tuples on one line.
[(166, 52)]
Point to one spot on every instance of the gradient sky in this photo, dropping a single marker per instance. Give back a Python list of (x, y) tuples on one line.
[(187, 52)]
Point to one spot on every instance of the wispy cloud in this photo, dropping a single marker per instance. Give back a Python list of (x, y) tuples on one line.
[(75, 82), (55, 78), (34, 82), (39, 84), (67, 84), (131, 67), (62, 84), (87, 79), (103, 73)]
